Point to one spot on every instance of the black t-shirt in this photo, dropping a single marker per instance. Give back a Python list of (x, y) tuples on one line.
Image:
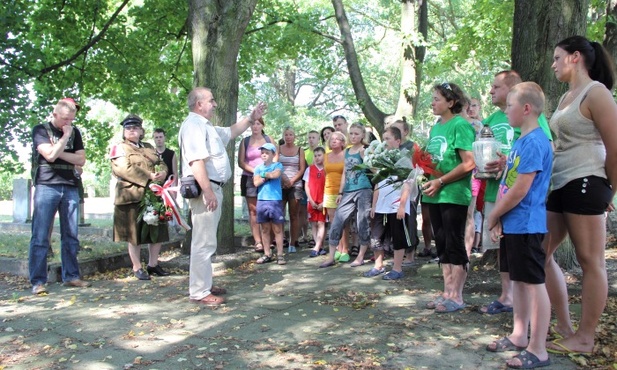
[(168, 156), (53, 176)]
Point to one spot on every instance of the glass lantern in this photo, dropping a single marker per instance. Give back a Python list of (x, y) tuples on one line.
[(485, 150)]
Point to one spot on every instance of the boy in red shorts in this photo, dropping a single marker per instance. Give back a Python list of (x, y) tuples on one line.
[(314, 183)]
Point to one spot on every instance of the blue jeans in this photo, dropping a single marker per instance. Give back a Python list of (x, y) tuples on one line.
[(47, 200)]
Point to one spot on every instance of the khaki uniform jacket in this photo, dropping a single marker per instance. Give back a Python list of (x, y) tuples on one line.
[(132, 167)]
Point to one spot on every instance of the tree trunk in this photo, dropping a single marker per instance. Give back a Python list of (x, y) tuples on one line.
[(538, 26), (420, 52), (408, 89), (373, 114), (536, 30), (610, 35), (216, 30)]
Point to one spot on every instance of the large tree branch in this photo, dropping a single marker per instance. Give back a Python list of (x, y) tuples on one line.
[(291, 21), (86, 47), (373, 114)]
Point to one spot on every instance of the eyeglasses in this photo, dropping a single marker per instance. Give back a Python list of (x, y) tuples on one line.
[(446, 86)]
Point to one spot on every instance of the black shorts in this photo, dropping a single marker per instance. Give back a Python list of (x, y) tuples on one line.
[(589, 195), (448, 221), (522, 256), (247, 187)]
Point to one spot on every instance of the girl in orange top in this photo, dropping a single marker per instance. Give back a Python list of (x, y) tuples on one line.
[(334, 164)]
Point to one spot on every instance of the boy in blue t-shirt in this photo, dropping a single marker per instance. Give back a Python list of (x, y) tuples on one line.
[(519, 222), (267, 179)]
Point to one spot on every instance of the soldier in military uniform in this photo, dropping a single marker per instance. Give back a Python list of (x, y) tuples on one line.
[(135, 165)]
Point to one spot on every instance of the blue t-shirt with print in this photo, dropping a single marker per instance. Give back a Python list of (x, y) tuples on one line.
[(530, 153), (271, 189)]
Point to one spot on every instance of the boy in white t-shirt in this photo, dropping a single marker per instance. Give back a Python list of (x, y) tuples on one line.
[(390, 212)]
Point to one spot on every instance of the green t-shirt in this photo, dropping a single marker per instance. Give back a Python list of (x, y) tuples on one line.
[(308, 156), (507, 135), (444, 142)]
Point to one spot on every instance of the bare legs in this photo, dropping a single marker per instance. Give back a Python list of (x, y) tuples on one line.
[(153, 255), (588, 234), (319, 234), (277, 230)]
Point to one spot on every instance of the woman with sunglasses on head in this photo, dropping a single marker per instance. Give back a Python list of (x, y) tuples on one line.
[(448, 194), (584, 181)]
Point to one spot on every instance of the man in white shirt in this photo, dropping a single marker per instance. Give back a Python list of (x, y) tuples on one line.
[(204, 156)]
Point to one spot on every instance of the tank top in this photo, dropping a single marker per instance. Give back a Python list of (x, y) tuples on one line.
[(291, 166), (317, 181), (579, 150), (334, 173), (355, 179), (252, 154)]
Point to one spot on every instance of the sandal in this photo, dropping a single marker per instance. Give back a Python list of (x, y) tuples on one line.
[(259, 247), (435, 302), (449, 306), (503, 345), (425, 253), (280, 260), (264, 259), (495, 307), (529, 361)]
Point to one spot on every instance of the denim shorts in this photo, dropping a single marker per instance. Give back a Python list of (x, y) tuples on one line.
[(270, 211)]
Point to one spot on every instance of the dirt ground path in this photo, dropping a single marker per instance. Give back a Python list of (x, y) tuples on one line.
[(285, 317)]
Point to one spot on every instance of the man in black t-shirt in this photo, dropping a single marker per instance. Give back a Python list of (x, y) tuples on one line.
[(168, 155), (57, 147)]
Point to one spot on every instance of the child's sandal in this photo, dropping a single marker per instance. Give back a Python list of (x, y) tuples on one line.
[(264, 259)]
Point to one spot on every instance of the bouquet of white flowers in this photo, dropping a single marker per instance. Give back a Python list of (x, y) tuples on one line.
[(386, 163), (153, 212)]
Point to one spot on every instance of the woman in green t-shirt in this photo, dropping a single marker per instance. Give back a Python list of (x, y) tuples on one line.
[(448, 192)]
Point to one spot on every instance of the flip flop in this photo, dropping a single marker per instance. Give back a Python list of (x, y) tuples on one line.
[(554, 334), (503, 345), (450, 306), (563, 350), (529, 361), (495, 307), (432, 304)]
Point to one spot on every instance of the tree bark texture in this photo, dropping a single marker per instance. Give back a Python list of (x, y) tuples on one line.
[(216, 31), (420, 52), (408, 89), (373, 114), (610, 35), (538, 26)]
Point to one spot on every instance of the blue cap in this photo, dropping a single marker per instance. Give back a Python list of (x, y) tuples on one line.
[(268, 146)]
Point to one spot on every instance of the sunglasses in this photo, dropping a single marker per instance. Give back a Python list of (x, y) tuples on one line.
[(338, 117), (446, 86)]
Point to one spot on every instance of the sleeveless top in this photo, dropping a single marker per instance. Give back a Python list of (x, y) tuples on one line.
[(252, 154), (355, 179), (579, 150), (167, 156), (291, 166), (334, 173), (317, 182)]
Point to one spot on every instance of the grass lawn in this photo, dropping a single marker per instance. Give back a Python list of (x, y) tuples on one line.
[(15, 244)]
